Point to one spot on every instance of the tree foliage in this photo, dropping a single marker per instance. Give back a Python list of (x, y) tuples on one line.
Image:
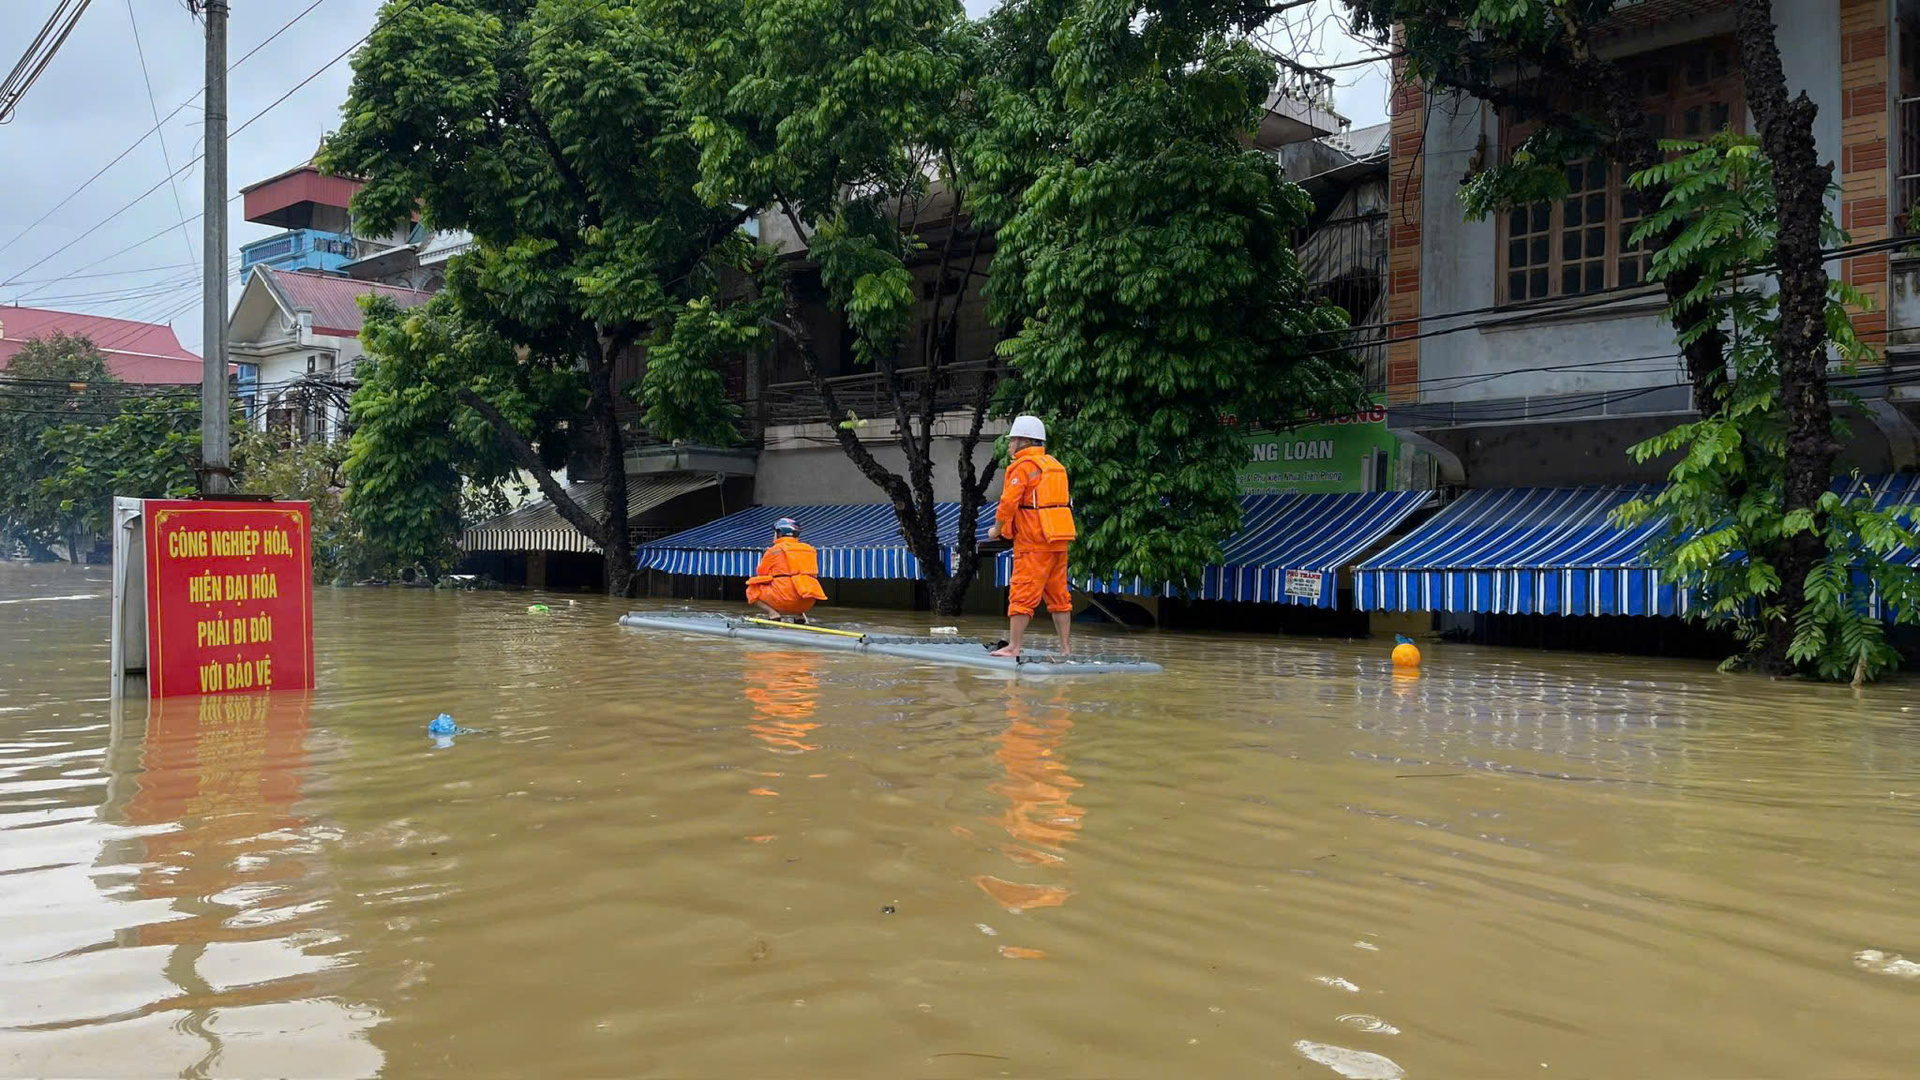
[(843, 120), (146, 448), (605, 152), (551, 131), (72, 436), (417, 447), (1727, 518), (1145, 258)]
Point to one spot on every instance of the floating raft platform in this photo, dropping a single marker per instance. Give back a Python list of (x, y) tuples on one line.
[(954, 651)]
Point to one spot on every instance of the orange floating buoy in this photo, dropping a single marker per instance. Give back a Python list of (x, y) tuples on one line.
[(1405, 654)]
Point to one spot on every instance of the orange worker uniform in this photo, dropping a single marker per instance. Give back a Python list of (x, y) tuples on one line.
[(788, 578), (1036, 513)]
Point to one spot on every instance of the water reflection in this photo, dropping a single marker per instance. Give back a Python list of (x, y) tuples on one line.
[(250, 946), (784, 689), (1039, 817), (249, 893)]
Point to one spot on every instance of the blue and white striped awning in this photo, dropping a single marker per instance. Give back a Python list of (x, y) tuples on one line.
[(1309, 538), (853, 541), (538, 525), (1555, 551), (1898, 490), (1525, 551)]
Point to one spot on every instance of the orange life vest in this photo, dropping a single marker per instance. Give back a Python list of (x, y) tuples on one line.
[(1050, 499), (803, 567)]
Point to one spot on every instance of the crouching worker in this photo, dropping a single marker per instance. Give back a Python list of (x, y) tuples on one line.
[(787, 582), (1036, 513)]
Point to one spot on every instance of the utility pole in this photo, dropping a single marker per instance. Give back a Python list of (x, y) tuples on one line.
[(216, 473)]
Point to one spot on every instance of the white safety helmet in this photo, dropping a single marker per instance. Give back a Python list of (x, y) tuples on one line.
[(1028, 427)]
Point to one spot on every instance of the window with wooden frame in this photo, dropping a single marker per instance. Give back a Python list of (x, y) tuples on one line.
[(1583, 244)]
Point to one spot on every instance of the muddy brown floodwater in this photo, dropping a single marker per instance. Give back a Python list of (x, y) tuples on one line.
[(690, 857)]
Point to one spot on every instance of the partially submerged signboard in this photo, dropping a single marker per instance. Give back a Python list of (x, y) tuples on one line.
[(213, 597), (1350, 453)]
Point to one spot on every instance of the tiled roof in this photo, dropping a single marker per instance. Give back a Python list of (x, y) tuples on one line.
[(334, 301), (136, 352), (1633, 16)]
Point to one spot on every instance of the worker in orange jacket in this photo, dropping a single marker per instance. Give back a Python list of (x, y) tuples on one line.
[(1036, 513), (787, 583)]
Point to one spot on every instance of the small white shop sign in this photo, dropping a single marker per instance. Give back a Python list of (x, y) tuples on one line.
[(1305, 583)]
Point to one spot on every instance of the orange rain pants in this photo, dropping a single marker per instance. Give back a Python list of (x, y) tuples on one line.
[(1039, 573)]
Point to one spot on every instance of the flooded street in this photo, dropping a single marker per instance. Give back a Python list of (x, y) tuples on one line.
[(685, 856)]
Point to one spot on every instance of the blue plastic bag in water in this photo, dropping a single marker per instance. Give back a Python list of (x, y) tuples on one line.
[(442, 725)]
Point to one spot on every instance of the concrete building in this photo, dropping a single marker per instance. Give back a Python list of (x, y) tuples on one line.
[(300, 329), (296, 326), (312, 211), (420, 263), (1556, 388)]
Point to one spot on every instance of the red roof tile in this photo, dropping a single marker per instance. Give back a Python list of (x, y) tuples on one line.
[(136, 352), (334, 301)]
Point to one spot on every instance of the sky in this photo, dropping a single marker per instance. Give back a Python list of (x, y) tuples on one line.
[(92, 103)]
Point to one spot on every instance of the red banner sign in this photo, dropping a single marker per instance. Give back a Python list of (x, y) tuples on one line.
[(229, 597)]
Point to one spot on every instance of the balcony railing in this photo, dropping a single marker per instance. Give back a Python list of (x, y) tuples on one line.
[(298, 249), (1306, 86), (866, 395)]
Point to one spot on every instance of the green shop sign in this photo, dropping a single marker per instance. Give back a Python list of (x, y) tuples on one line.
[(1351, 453)]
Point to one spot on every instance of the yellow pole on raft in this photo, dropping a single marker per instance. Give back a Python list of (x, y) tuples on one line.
[(802, 626)]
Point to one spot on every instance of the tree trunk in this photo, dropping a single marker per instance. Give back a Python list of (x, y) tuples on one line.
[(950, 596), (620, 567), (615, 542), (917, 516), (1800, 342)]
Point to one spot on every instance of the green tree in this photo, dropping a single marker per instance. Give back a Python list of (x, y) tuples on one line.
[(312, 472), (1144, 259), (551, 130), (72, 437), (50, 382), (845, 120), (147, 447), (417, 445), (1728, 531)]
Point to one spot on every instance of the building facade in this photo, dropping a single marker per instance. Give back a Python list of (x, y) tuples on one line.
[(300, 331), (1527, 348), (313, 213)]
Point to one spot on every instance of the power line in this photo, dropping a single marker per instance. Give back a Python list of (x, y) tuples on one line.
[(135, 145), (39, 54), (394, 13), (110, 296), (166, 157), (387, 17), (1552, 309), (109, 273), (130, 247)]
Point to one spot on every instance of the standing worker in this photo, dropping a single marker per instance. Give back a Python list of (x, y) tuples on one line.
[(1036, 513), (787, 583)]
